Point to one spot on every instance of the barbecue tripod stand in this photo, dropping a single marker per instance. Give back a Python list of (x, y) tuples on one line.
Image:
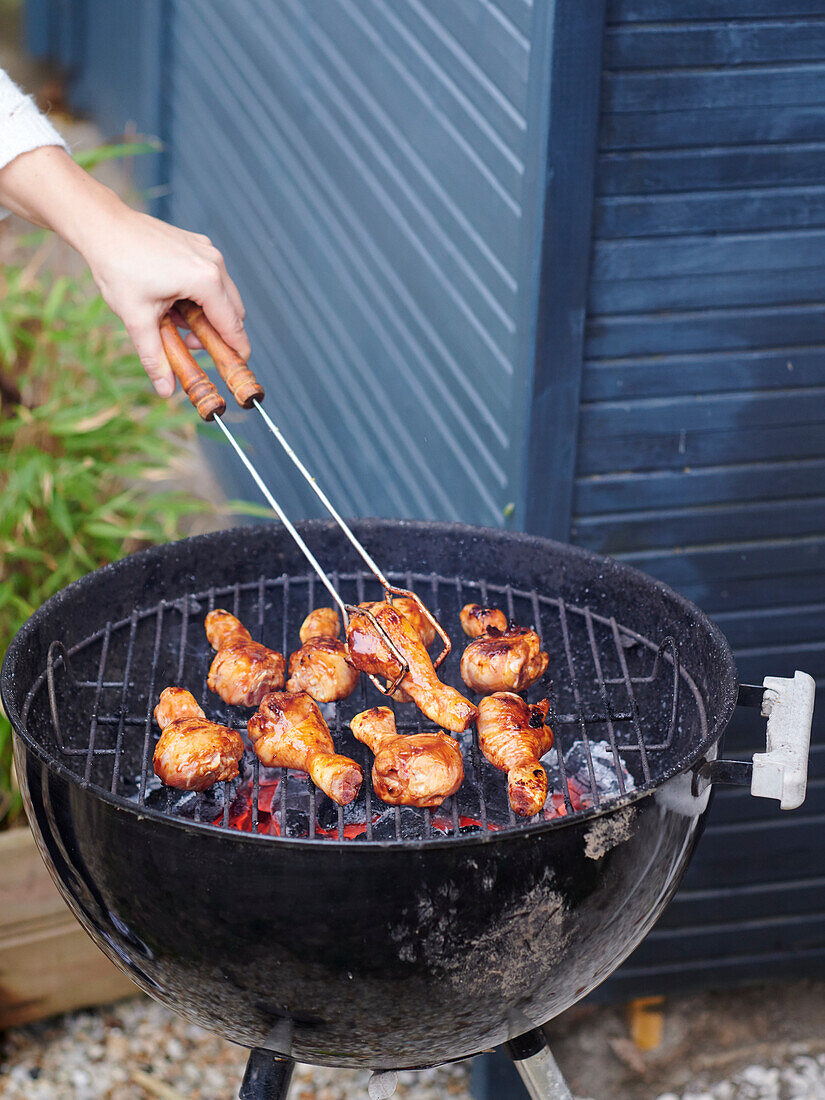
[(268, 1076)]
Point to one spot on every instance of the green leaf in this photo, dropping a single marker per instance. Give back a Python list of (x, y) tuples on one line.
[(7, 348), (91, 158), (56, 296)]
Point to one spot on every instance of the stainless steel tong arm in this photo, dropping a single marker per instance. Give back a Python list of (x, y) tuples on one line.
[(249, 393)]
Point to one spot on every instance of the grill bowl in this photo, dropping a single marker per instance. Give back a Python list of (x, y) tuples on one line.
[(393, 952)]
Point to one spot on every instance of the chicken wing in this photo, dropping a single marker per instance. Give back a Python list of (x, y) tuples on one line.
[(369, 652), (287, 731), (192, 752), (321, 667), (417, 769), (476, 620), (513, 737), (243, 671), (509, 660)]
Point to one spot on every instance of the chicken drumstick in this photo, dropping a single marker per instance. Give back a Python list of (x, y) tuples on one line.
[(321, 667), (323, 622), (192, 753), (287, 731), (508, 660), (418, 769), (243, 671), (513, 737), (369, 652), (476, 620)]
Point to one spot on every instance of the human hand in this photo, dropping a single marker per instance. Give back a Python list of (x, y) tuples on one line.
[(143, 266)]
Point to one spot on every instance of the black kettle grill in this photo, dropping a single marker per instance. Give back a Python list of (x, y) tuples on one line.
[(375, 936)]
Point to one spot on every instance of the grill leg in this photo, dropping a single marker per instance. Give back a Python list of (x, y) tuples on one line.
[(267, 1076), (538, 1068)]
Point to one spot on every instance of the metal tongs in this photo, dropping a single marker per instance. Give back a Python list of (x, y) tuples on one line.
[(248, 392)]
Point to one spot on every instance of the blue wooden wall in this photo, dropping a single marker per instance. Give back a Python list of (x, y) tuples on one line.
[(373, 172), (569, 260), (114, 53), (701, 444)]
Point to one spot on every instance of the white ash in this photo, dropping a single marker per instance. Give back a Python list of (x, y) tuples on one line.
[(139, 1050), (578, 772)]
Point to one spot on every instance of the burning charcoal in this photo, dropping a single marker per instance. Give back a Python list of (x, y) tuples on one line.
[(410, 824), (130, 785), (354, 814), (268, 790), (579, 784), (297, 822), (444, 822), (604, 771), (192, 805)]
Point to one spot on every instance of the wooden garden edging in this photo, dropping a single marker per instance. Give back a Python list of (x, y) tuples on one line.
[(47, 962)]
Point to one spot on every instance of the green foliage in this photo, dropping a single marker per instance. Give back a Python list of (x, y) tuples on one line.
[(91, 158), (84, 443)]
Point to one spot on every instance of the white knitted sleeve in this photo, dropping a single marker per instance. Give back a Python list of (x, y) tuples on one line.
[(22, 127)]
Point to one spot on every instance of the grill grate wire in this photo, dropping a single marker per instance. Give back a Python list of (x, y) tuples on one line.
[(587, 689)]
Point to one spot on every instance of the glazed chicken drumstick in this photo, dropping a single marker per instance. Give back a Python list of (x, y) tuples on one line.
[(503, 660), (192, 753), (421, 625), (321, 667), (476, 620), (417, 769), (414, 615), (513, 737), (369, 652), (243, 671), (411, 611), (288, 731)]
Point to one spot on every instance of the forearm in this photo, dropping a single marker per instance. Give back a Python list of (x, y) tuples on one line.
[(141, 265), (46, 187)]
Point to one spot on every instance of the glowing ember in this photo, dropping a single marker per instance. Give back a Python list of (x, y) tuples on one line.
[(240, 812), (269, 821), (385, 822), (555, 806)]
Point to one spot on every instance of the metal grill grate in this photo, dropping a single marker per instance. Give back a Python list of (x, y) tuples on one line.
[(605, 683)]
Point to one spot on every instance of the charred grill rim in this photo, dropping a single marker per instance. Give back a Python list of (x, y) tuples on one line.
[(160, 556)]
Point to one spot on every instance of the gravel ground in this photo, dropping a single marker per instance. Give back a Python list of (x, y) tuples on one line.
[(138, 1050), (764, 1043), (803, 1079)]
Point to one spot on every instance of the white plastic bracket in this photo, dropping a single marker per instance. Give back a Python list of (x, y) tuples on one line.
[(782, 771)]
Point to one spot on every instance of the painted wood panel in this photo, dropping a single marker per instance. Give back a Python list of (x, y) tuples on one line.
[(623, 533), (700, 127), (701, 454), (704, 372), (725, 289), (376, 180), (702, 487), (737, 167), (706, 330), (671, 11), (714, 43)]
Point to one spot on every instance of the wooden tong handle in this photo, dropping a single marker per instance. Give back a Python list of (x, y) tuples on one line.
[(242, 383), (196, 385)]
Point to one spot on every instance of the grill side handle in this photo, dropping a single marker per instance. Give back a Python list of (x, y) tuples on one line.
[(781, 772)]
